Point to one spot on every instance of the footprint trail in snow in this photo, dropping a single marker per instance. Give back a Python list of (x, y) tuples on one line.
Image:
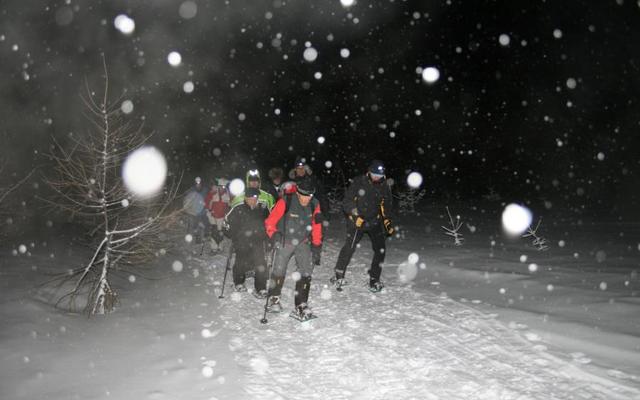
[(398, 343)]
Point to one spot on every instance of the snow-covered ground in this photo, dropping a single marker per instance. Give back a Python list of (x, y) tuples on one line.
[(475, 322)]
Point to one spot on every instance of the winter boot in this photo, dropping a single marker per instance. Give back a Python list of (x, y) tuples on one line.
[(260, 294), (213, 246), (338, 281), (375, 286), (274, 305), (303, 312), (217, 237)]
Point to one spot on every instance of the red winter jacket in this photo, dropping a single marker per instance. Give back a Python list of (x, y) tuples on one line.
[(278, 211), (217, 201)]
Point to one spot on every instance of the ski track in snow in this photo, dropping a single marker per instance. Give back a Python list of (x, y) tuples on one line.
[(400, 344)]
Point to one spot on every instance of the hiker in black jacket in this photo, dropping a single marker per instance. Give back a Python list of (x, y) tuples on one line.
[(368, 207), (246, 230), (274, 187), (302, 171)]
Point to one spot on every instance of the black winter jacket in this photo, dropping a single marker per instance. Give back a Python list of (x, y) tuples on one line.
[(246, 226), (272, 189), (365, 197)]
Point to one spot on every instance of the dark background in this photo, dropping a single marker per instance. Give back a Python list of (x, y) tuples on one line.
[(491, 124)]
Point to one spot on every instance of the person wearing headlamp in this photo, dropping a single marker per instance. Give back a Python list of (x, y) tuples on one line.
[(368, 208), (253, 180)]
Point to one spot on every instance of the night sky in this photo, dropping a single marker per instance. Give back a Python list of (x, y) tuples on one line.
[(546, 112)]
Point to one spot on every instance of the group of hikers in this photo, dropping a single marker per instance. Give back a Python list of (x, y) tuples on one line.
[(268, 223)]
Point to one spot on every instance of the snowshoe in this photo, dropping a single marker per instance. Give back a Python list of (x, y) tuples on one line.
[(260, 294), (338, 282), (240, 287), (302, 313), (375, 287), (274, 305)]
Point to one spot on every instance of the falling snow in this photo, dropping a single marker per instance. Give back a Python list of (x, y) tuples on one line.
[(414, 180), (144, 171), (516, 219), (506, 116), (124, 24), (310, 54), (430, 74), (174, 59), (504, 40), (177, 266)]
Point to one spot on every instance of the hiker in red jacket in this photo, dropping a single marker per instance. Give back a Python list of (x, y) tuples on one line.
[(293, 231), (217, 203)]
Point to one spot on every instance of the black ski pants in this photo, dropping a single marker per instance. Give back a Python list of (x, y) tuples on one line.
[(376, 234), (250, 257)]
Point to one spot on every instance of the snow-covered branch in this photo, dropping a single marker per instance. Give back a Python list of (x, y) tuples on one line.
[(539, 242), (454, 228)]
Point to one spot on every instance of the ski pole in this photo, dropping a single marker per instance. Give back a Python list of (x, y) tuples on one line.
[(353, 243), (270, 267), (287, 202), (226, 269)]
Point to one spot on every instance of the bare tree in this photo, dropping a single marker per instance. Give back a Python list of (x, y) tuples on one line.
[(338, 186), (453, 231), (87, 182), (539, 242), (409, 199)]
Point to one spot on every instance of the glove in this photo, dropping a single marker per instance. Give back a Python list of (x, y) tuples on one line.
[(388, 226), (276, 240), (358, 221), (316, 252)]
